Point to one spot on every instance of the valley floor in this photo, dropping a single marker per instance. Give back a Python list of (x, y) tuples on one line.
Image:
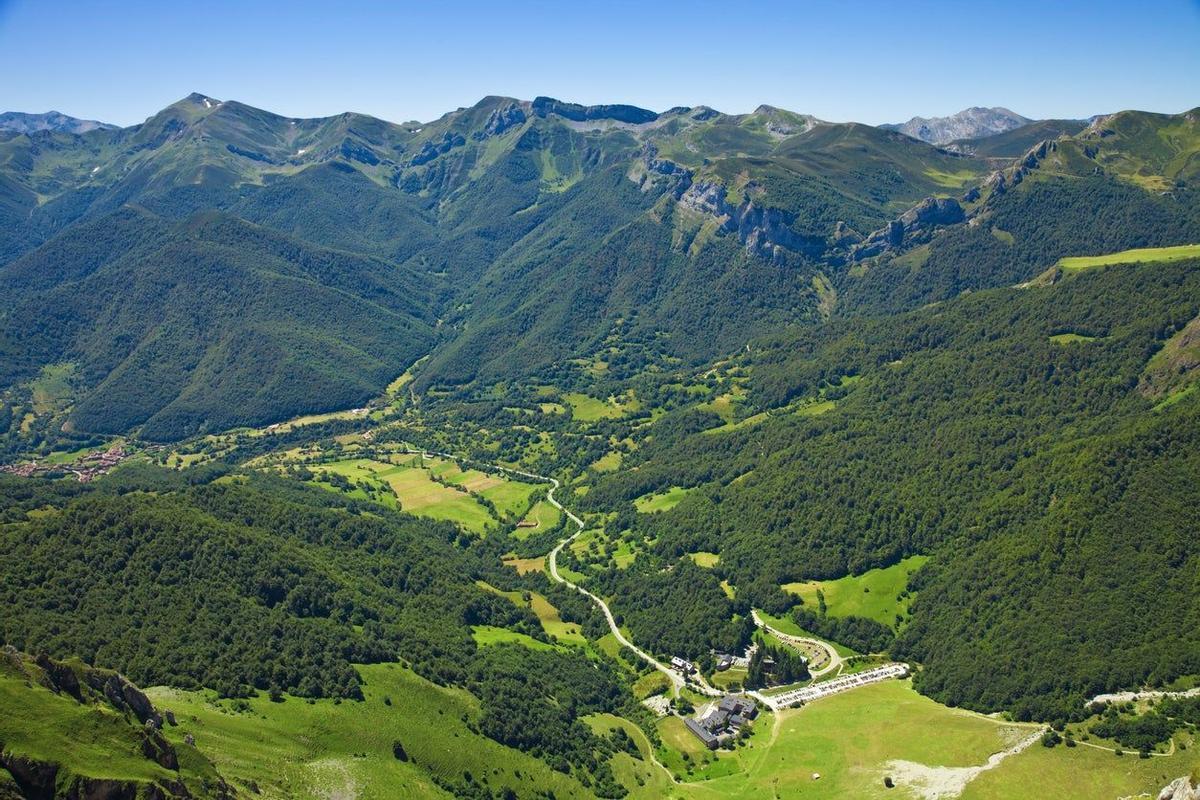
[(853, 741)]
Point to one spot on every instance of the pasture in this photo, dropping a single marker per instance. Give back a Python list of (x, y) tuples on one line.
[(323, 749), (872, 594), (1136, 256), (661, 501)]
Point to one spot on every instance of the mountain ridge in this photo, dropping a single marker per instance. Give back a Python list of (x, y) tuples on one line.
[(970, 123), (22, 122)]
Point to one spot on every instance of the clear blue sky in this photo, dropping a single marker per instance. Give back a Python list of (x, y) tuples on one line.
[(121, 61)]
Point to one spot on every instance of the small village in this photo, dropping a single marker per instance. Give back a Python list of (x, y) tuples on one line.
[(85, 469)]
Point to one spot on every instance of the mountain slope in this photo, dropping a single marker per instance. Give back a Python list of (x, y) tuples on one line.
[(1016, 142), (1004, 435), (208, 323), (69, 730), (970, 123), (20, 122)]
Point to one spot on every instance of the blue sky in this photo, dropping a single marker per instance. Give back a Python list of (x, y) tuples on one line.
[(866, 61)]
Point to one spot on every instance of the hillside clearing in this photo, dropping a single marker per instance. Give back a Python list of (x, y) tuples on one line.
[(1134, 256)]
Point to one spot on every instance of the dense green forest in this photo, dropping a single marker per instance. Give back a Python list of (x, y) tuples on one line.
[(973, 434), (242, 586)]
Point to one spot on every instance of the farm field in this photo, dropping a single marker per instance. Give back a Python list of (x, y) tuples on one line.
[(872, 594), (417, 493), (325, 749), (540, 518), (509, 496), (1135, 256)]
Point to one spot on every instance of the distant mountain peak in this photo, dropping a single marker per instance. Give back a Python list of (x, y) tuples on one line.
[(970, 123), (50, 121), (201, 100)]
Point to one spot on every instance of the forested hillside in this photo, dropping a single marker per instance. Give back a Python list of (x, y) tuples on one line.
[(1005, 434)]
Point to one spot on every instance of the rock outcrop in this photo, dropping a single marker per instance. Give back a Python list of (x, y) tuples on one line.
[(912, 227), (501, 120), (1180, 789), (431, 150), (766, 232)]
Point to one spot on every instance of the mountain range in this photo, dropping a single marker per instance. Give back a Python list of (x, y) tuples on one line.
[(162, 265), (934, 403), (50, 121)]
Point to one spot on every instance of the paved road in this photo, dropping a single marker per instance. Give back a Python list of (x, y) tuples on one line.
[(835, 661), (696, 683)]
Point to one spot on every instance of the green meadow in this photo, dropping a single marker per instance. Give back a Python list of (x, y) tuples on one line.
[(1135, 256), (872, 594), (661, 501), (411, 485), (586, 408), (326, 749)]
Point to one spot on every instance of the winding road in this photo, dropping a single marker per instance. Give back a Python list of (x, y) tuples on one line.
[(678, 682), (835, 660)]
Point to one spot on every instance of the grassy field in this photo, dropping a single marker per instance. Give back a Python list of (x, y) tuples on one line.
[(488, 634), (1137, 256), (51, 389), (93, 741), (706, 560), (852, 740), (1070, 338), (543, 516), (325, 749), (523, 565), (586, 408), (417, 493), (552, 623), (872, 594), (661, 501), (607, 462)]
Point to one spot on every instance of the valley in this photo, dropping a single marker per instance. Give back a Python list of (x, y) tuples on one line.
[(484, 457)]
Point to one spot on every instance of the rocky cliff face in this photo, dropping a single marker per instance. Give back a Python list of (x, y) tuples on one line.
[(914, 226), (764, 231), (26, 776)]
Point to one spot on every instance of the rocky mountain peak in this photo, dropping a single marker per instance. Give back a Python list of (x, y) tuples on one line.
[(970, 123)]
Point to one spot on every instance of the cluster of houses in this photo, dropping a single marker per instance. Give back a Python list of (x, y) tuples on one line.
[(90, 466), (723, 720)]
